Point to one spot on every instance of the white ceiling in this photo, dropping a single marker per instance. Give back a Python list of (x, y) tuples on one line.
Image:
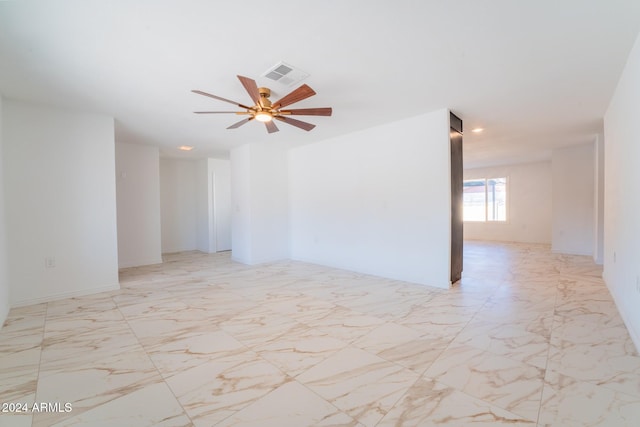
[(534, 74)]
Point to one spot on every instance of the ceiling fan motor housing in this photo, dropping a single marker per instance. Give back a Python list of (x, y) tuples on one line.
[(265, 93)]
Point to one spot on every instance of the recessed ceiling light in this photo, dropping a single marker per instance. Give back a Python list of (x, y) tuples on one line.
[(185, 147), (477, 130)]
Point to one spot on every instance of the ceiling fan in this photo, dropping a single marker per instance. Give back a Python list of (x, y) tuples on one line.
[(265, 111)]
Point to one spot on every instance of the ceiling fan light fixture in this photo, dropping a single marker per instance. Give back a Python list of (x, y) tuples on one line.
[(265, 111), (263, 116)]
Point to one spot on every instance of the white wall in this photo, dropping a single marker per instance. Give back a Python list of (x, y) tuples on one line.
[(598, 195), (528, 204), (622, 198), (573, 200), (195, 199), (376, 201), (60, 202), (4, 265), (259, 188), (138, 202), (178, 205), (205, 240), (220, 177), (241, 203), (213, 205)]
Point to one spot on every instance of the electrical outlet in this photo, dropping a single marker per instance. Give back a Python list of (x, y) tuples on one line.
[(50, 262), (638, 284), (614, 256)]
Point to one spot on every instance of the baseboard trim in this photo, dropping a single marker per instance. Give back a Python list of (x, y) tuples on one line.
[(564, 252), (4, 313), (65, 295), (140, 263), (446, 284), (632, 332), (258, 262)]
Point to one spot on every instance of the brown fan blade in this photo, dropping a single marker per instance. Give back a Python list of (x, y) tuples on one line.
[(220, 112), (240, 123), (219, 98), (308, 112), (303, 92), (271, 127), (251, 87), (297, 123)]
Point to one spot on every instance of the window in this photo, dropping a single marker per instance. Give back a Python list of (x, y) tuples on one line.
[(485, 199)]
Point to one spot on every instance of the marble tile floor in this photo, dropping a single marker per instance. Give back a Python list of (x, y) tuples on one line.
[(528, 338)]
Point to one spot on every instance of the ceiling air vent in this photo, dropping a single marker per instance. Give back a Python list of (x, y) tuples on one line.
[(285, 74)]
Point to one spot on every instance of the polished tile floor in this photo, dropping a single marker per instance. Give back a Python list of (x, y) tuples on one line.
[(529, 338)]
